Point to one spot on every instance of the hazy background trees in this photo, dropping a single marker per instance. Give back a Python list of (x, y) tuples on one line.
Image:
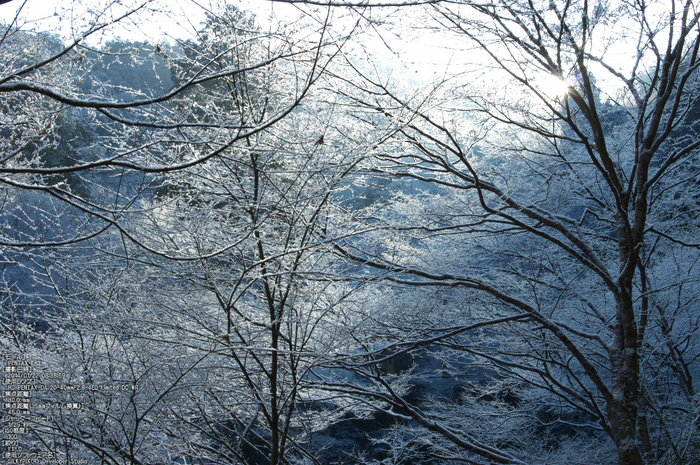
[(141, 103)]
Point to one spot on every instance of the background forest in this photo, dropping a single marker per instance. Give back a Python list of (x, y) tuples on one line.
[(373, 232)]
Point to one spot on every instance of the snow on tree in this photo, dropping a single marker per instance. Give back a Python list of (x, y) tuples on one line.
[(563, 213)]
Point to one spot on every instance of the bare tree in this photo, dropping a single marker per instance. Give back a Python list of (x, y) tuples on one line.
[(184, 325), (563, 201)]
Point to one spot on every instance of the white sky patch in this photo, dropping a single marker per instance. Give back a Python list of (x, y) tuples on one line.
[(406, 48), (158, 20), (401, 49)]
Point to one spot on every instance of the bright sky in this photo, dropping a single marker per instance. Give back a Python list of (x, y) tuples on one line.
[(176, 18), (180, 18), (421, 55)]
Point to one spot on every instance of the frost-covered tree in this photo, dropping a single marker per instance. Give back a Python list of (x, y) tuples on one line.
[(220, 348), (563, 153), (185, 325)]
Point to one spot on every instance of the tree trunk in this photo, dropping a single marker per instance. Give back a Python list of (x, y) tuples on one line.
[(623, 407)]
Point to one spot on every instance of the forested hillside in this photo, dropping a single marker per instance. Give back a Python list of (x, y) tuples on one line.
[(274, 239)]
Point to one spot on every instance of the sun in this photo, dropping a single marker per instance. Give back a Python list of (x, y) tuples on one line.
[(552, 86)]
